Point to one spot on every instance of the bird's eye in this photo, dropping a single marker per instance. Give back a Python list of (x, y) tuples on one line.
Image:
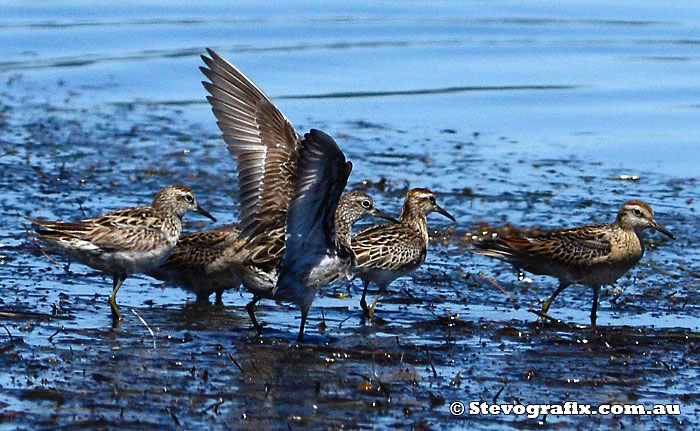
[(637, 212), (366, 204), (432, 199), (189, 198)]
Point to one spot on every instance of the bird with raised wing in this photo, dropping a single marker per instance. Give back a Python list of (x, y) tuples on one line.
[(290, 187), (125, 241), (593, 255)]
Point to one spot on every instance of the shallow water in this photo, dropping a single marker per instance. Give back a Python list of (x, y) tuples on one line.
[(529, 114)]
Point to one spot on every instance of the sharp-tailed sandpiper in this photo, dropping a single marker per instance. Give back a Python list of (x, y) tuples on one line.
[(593, 255), (388, 251), (290, 190), (125, 241), (196, 263)]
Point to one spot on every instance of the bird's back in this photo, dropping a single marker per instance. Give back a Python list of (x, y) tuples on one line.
[(196, 262), (591, 254), (385, 252), (123, 241), (197, 252)]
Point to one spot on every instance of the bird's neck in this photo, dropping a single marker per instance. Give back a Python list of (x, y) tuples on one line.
[(415, 220), (630, 228), (629, 241), (165, 207), (343, 237), (343, 228)]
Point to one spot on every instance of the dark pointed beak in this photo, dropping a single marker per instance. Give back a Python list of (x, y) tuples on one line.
[(656, 226), (440, 210), (385, 216), (205, 213)]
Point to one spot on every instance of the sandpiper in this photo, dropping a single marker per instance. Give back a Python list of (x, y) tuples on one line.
[(262, 265), (388, 251), (314, 256), (593, 255), (290, 190), (196, 263), (125, 241)]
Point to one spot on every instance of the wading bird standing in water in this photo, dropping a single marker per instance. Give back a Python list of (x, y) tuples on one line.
[(126, 241), (295, 226), (196, 263), (386, 252), (593, 255)]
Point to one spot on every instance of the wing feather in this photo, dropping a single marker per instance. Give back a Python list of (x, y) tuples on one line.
[(261, 139), (557, 247), (195, 251), (388, 246), (134, 229), (323, 175)]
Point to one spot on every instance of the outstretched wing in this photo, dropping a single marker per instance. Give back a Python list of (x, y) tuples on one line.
[(261, 139), (323, 174)]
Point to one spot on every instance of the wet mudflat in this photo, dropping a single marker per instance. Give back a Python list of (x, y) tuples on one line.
[(513, 115)]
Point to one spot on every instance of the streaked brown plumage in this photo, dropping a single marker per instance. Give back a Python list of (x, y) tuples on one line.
[(290, 189), (125, 241), (196, 263), (593, 255), (327, 268), (385, 252)]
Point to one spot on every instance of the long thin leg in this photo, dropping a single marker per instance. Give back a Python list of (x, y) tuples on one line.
[(219, 297), (117, 281), (250, 308), (304, 314), (548, 303), (374, 304), (363, 302), (594, 308)]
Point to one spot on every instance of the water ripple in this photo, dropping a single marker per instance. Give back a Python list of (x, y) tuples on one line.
[(425, 91)]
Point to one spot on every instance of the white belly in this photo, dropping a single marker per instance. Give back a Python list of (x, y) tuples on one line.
[(125, 262)]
